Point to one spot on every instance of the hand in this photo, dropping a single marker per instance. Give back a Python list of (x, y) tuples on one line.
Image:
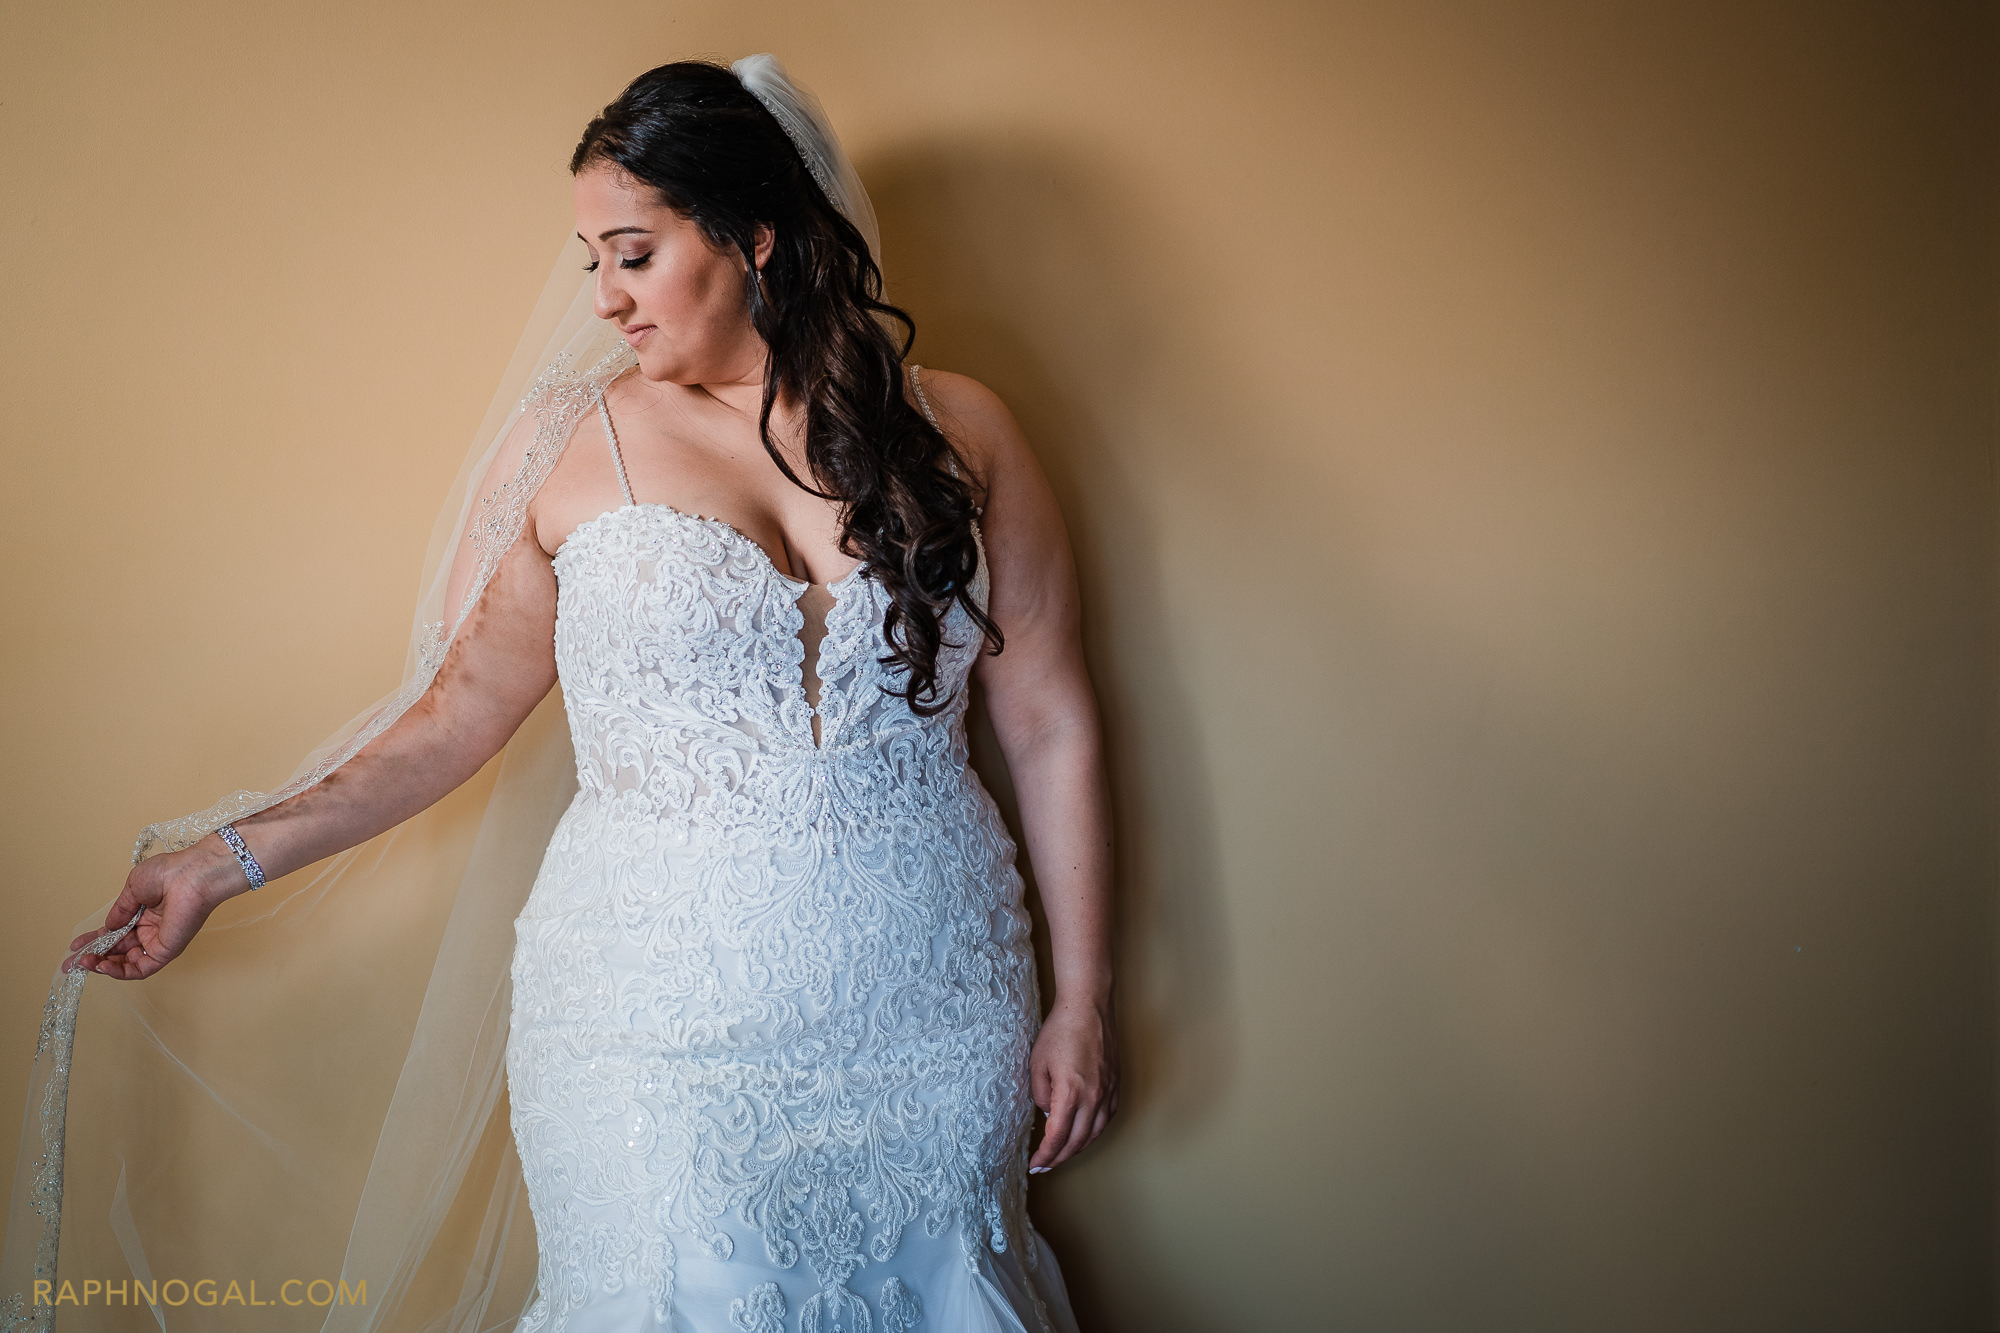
[(177, 891), (1073, 1072)]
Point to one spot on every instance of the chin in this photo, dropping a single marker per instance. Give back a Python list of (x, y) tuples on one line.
[(661, 370)]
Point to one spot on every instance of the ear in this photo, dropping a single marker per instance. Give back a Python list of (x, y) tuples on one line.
[(767, 240)]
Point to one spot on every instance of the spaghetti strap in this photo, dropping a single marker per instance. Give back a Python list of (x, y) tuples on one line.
[(951, 455), (611, 438), (923, 401)]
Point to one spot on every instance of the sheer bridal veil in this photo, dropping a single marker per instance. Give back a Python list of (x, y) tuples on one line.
[(285, 1117)]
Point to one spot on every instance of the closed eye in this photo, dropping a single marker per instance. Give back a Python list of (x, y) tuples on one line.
[(637, 261)]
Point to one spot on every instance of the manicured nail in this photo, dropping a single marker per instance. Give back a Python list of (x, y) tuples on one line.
[(1036, 1170)]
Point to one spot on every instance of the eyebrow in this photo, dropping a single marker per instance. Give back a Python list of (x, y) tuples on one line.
[(616, 231)]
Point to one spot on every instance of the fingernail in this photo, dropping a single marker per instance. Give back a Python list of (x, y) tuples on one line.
[(1036, 1170)]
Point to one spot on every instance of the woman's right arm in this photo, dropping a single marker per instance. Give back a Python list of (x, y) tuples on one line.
[(501, 663)]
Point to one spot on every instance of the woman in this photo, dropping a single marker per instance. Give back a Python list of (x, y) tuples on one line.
[(774, 1020)]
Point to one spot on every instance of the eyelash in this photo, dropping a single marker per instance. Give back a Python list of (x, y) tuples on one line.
[(639, 262)]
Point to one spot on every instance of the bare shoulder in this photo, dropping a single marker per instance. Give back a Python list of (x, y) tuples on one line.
[(975, 419), (1027, 546)]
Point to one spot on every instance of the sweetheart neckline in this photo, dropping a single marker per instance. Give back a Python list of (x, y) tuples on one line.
[(727, 529)]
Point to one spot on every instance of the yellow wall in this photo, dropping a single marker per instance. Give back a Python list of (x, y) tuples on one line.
[(1531, 466)]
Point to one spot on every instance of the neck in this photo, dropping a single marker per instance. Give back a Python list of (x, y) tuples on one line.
[(744, 397)]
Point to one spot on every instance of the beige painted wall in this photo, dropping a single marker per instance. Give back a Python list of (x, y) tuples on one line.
[(1532, 471)]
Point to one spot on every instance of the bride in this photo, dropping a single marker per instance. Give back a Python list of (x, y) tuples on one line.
[(774, 1038)]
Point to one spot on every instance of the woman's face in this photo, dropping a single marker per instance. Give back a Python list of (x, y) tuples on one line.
[(678, 300)]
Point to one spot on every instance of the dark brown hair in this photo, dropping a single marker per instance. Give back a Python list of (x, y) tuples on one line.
[(719, 158)]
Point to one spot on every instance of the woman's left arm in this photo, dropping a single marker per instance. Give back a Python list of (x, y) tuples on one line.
[(1044, 713)]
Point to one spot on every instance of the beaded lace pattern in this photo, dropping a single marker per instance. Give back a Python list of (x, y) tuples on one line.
[(766, 991)]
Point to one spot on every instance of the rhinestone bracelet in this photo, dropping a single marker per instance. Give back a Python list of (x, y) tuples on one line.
[(249, 862)]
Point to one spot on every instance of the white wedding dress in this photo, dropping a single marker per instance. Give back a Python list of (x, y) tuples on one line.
[(773, 997)]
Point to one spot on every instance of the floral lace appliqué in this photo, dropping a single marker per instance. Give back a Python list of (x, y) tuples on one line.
[(765, 988)]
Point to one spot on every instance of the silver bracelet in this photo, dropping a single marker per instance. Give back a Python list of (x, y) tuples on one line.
[(249, 862)]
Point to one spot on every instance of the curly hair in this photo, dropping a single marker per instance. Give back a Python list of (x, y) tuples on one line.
[(717, 157)]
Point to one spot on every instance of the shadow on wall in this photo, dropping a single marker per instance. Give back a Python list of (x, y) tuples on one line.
[(1006, 254)]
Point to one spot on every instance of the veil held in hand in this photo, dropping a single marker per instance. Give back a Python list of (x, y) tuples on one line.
[(280, 1115)]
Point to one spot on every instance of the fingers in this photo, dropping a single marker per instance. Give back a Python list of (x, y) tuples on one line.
[(137, 954), (107, 963), (83, 941), (1055, 1132), (1073, 1124), (80, 959), (1079, 1131), (128, 964)]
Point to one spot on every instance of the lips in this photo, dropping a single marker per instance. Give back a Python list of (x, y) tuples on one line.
[(636, 333)]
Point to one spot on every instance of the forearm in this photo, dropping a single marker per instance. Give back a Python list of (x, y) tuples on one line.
[(413, 764), (501, 663), (1058, 775), (416, 759)]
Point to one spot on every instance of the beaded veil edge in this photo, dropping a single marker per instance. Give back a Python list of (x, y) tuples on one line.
[(559, 397)]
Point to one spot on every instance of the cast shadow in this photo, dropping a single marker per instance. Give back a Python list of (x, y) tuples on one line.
[(1006, 252)]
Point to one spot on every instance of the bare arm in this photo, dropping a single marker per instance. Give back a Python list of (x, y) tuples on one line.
[(500, 665), (1044, 713)]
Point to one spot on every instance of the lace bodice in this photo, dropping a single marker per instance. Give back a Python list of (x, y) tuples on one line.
[(765, 987), (678, 648)]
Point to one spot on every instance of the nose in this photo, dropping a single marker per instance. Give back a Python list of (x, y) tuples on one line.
[(608, 299)]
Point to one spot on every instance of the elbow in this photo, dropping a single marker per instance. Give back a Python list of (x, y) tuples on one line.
[(1049, 734)]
